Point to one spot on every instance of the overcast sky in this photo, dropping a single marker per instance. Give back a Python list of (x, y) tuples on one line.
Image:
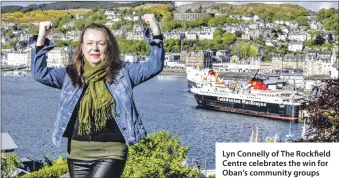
[(315, 6)]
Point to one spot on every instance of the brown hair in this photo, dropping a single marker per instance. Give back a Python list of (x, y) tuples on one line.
[(114, 63)]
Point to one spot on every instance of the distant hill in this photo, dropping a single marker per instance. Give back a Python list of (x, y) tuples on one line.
[(64, 5), (281, 10), (194, 6)]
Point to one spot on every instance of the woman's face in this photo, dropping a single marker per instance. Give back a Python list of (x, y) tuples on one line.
[(94, 46)]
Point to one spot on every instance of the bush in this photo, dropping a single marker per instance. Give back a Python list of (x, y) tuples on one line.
[(324, 114), (9, 163), (58, 169), (158, 155)]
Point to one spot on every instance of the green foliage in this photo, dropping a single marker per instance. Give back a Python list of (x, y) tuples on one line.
[(158, 155), (268, 12), (127, 26), (140, 47), (332, 23), (259, 41), (58, 169), (234, 59), (9, 34), (9, 163), (222, 20), (244, 50), (61, 43), (238, 33), (302, 20), (6, 46), (33, 30), (253, 50), (319, 40), (217, 32), (229, 39), (13, 43), (325, 14)]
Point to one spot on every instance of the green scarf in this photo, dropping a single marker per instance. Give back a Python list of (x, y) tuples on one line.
[(97, 102)]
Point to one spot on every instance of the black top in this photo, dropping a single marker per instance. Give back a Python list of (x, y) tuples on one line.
[(111, 133)]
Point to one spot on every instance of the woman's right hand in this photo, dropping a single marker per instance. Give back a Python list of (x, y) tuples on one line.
[(44, 29)]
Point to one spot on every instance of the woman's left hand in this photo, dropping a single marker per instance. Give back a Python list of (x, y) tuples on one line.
[(150, 20)]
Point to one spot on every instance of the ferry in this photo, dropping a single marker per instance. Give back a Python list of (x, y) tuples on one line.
[(254, 99)]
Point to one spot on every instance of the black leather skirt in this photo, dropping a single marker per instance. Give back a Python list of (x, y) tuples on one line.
[(103, 168)]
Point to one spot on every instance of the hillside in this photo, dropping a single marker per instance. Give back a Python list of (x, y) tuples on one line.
[(194, 6), (40, 15), (274, 11), (64, 5), (267, 12)]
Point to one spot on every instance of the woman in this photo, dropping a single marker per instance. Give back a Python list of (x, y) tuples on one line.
[(97, 112)]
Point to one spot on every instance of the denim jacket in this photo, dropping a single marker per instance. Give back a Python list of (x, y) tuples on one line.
[(131, 75)]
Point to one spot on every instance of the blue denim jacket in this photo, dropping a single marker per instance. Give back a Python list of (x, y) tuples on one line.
[(131, 74)]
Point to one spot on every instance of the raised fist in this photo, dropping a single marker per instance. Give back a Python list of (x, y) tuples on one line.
[(45, 28), (150, 20)]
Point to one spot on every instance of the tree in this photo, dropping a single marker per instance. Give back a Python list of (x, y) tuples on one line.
[(9, 34), (238, 33), (308, 43), (325, 14), (234, 59), (324, 114), (229, 38), (259, 41), (234, 50), (217, 32), (9, 163), (33, 30), (199, 10), (302, 20), (52, 169), (188, 11), (158, 155), (319, 40), (23, 44), (253, 50), (244, 50)]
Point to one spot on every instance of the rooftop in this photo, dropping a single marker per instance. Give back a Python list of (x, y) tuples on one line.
[(7, 143)]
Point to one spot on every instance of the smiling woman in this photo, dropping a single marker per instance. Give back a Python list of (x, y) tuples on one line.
[(97, 112), (94, 46)]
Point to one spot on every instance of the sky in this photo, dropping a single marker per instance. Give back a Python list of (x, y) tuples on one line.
[(315, 6)]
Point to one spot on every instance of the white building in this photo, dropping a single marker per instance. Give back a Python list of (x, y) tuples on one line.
[(135, 36), (131, 58), (17, 59), (334, 70), (254, 26), (234, 67), (111, 14), (136, 18), (279, 22), (191, 36), (205, 36), (116, 19), (315, 25), (295, 46), (297, 37), (172, 36), (57, 57), (246, 36), (129, 18), (282, 37)]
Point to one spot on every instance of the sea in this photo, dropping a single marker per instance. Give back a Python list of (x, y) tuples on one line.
[(29, 110)]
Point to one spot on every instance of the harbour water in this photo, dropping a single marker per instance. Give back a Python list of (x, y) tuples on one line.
[(29, 110)]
